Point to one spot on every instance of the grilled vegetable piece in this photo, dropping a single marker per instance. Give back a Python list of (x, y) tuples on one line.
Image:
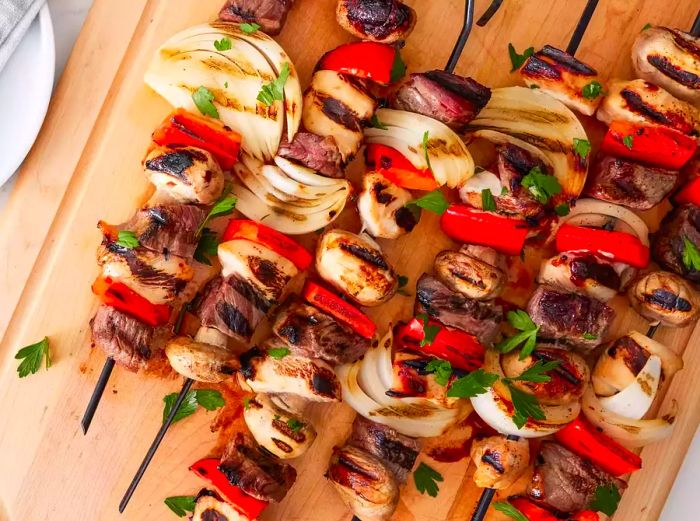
[(270, 15), (126, 300), (665, 298), (471, 275), (336, 106), (641, 102), (618, 246), (562, 76), (209, 506), (382, 207), (397, 169), (385, 21), (630, 184), (669, 58), (339, 309), (201, 361), (364, 483), (676, 241), (583, 273), (499, 461), (208, 470), (311, 379), (356, 266), (276, 429), (186, 174), (504, 234), (319, 153), (454, 100), (377, 62)]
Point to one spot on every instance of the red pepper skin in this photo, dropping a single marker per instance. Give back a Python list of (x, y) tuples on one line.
[(581, 437), (182, 128), (266, 236), (462, 350), (690, 193), (208, 470), (374, 61), (468, 225), (658, 146), (623, 247), (585, 515), (339, 309), (532, 511), (123, 298), (396, 168)]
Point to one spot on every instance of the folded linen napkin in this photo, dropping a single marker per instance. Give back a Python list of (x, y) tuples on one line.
[(15, 18)]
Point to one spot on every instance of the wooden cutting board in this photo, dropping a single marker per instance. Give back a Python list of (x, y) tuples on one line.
[(85, 166)]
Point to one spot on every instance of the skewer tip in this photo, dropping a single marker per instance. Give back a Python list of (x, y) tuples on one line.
[(97, 393)]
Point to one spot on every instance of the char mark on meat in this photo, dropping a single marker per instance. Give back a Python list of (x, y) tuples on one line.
[(123, 338), (669, 244), (269, 14), (316, 152)]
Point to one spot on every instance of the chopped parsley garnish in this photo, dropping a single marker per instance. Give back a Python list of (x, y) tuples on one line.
[(426, 480), (127, 239), (274, 91), (398, 69), (426, 149), (562, 209), (32, 357), (429, 331), (646, 26), (488, 203), (525, 406), (223, 206), (442, 370), (246, 402), (582, 147), (403, 281), (278, 353), (592, 90), (606, 499), (590, 336), (475, 383), (206, 247), (516, 59), (222, 45), (180, 505), (509, 510), (375, 123), (249, 28), (542, 186), (206, 398), (433, 202), (691, 255), (521, 321), (295, 424), (536, 373), (203, 100), (628, 141)]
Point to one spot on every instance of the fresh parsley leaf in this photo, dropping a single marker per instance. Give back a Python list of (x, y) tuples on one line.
[(509, 510), (562, 209), (426, 480), (207, 398), (206, 247), (504, 190), (429, 331), (433, 202), (582, 147), (542, 186), (592, 90), (403, 281), (521, 321), (295, 424), (516, 59), (398, 68), (590, 336), (246, 402), (127, 239), (426, 149), (278, 353), (226, 84), (32, 357), (475, 383), (536, 373), (249, 28), (222, 45), (691, 255), (488, 203), (442, 370), (203, 99), (646, 26), (210, 399), (525, 406), (180, 504), (375, 123), (274, 91), (606, 499), (223, 206), (628, 141)]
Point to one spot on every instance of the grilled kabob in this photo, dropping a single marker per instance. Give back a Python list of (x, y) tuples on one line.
[(675, 245), (664, 298)]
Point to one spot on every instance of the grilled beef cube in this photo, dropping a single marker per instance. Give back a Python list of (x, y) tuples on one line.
[(396, 451), (311, 333), (577, 320), (561, 76), (565, 482), (384, 21), (129, 342), (669, 246), (514, 163), (255, 472), (168, 229), (270, 15), (233, 306), (315, 152), (452, 99), (453, 309), (630, 184)]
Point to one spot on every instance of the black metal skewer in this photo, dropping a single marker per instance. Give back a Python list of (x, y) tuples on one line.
[(695, 29), (97, 394), (488, 14), (463, 36)]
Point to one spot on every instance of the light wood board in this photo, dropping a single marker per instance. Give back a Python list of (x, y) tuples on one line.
[(86, 166)]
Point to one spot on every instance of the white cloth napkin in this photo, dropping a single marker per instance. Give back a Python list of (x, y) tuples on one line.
[(15, 18)]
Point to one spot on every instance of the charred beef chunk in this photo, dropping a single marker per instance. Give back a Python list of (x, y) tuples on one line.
[(269, 14), (315, 152), (630, 184), (384, 21), (255, 472), (452, 99), (311, 333), (396, 451), (168, 229), (453, 309), (578, 320), (565, 482), (233, 306), (514, 163), (679, 227)]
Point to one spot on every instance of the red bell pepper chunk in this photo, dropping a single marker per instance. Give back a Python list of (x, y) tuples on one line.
[(266, 236), (462, 350), (585, 515), (182, 128), (374, 61), (690, 193), (340, 309), (581, 437), (658, 146), (396, 168), (623, 247), (472, 226), (532, 511), (208, 470), (122, 297)]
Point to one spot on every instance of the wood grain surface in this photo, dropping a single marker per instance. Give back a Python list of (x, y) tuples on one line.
[(85, 166)]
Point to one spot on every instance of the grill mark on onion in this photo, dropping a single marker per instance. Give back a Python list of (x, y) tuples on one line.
[(339, 112), (664, 65)]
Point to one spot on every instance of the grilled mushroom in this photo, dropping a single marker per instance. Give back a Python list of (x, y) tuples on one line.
[(385, 21), (187, 174), (499, 461), (382, 207), (355, 265), (202, 361), (470, 275), (665, 298), (276, 429)]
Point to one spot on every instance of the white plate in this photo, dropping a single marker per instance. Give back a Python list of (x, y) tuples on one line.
[(26, 83)]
